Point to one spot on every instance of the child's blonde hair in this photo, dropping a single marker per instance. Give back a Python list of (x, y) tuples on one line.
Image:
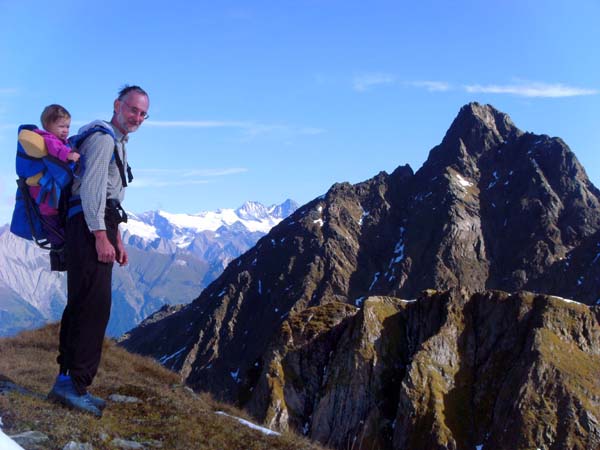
[(52, 113)]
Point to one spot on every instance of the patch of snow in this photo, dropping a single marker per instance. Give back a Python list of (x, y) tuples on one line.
[(364, 214), (7, 443), (235, 374), (320, 209), (396, 260), (580, 280), (166, 358), (140, 229), (183, 241), (250, 424), (180, 262), (479, 447), (359, 301), (566, 300), (375, 277), (319, 221), (462, 181), (213, 220), (259, 287)]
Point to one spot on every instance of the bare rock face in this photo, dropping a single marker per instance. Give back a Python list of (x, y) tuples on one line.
[(446, 371), (306, 330)]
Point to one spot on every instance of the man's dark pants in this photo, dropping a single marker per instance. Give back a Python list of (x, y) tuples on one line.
[(87, 312)]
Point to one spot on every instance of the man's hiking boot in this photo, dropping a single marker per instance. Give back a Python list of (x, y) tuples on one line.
[(96, 401), (64, 392)]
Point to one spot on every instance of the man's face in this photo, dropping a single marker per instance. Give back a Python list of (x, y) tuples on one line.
[(130, 112)]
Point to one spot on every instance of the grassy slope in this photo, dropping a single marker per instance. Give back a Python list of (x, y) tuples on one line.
[(170, 413)]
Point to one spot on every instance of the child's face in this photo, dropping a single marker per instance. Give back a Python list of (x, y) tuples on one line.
[(60, 128)]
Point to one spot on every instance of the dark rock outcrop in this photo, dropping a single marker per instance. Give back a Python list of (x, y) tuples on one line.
[(444, 371)]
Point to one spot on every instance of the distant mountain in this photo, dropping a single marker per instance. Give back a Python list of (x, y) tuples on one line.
[(172, 258), (316, 328)]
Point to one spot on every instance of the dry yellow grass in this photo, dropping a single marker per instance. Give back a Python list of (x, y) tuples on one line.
[(169, 412)]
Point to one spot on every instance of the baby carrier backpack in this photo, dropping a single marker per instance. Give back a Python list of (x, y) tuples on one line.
[(35, 167)]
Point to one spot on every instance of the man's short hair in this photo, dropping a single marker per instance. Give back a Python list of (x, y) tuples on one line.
[(52, 113), (125, 90)]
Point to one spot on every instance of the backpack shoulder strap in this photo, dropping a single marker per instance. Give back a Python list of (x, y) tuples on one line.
[(77, 140)]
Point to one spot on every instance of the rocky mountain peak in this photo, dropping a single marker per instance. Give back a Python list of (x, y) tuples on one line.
[(252, 210), (475, 121), (476, 130), (285, 209)]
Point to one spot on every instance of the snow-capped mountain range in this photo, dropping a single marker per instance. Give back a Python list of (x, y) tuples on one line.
[(172, 258), (182, 229)]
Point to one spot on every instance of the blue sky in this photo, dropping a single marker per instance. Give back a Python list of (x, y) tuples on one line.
[(268, 100)]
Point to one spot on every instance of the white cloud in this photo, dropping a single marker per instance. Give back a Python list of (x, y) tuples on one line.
[(249, 128), (311, 131), (180, 177), (184, 173), (8, 91), (149, 182), (196, 124), (531, 89), (364, 82), (432, 86)]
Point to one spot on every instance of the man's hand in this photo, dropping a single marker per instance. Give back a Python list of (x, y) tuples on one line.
[(104, 249), (122, 256)]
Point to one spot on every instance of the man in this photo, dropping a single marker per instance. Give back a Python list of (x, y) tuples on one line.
[(93, 244)]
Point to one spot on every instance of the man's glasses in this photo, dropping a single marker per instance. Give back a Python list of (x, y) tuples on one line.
[(143, 114)]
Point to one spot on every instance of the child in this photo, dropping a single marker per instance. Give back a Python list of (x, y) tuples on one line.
[(56, 121)]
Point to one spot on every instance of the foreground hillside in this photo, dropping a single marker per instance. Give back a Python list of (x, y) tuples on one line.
[(155, 410)]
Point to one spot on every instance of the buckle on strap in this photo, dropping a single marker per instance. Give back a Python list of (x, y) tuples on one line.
[(115, 212)]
